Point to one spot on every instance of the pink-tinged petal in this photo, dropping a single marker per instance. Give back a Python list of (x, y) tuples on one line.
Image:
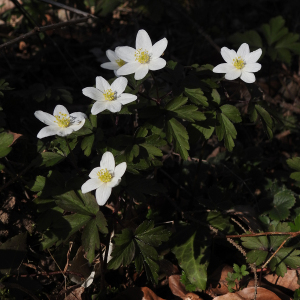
[(111, 55), (77, 117), (253, 56), (90, 185), (93, 173), (126, 98), (47, 131), (120, 169), (253, 67), (102, 84), (223, 68), (248, 77), (98, 107), (126, 53), (93, 93), (143, 40), (228, 55), (243, 50), (234, 74), (102, 194), (108, 161), (129, 68), (141, 72), (77, 126), (159, 48), (119, 85), (113, 106), (157, 64), (110, 66), (60, 109), (114, 182), (45, 117)]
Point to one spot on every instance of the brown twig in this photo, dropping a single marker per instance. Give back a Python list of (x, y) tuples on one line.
[(291, 234)]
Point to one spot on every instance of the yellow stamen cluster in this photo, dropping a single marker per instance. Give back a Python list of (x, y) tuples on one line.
[(143, 57), (120, 62), (104, 175), (110, 95), (238, 63), (62, 120)]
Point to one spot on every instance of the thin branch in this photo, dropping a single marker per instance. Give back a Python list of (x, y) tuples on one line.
[(291, 234)]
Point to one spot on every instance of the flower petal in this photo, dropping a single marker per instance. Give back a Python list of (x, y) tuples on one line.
[(156, 64), (223, 68), (93, 173), (120, 169), (77, 117), (77, 126), (235, 73), (114, 182), (45, 117), (113, 106), (253, 56), (47, 131), (126, 53), (110, 66), (141, 72), (102, 194), (64, 131), (90, 185), (93, 93), (228, 55), (126, 98), (129, 68), (159, 48), (108, 161), (143, 40), (252, 67), (98, 107), (119, 85), (60, 109), (101, 84), (243, 50), (111, 55), (248, 77)]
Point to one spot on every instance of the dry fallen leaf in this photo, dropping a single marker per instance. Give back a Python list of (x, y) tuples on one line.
[(72, 293), (136, 293), (289, 280)]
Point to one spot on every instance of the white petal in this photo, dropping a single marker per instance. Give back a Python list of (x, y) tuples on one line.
[(93, 173), (119, 85), (126, 98), (102, 194), (102, 84), (141, 72), (110, 66), (111, 55), (60, 109), (228, 55), (235, 73), (47, 131), (120, 169), (64, 131), (108, 161), (129, 68), (98, 107), (91, 185), (143, 40), (254, 67), (248, 77), (159, 48), (93, 93), (156, 64), (45, 117), (243, 50), (114, 182), (253, 56), (78, 117), (77, 126), (126, 53), (113, 106), (223, 68)]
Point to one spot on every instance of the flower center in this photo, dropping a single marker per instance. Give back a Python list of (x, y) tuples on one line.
[(239, 63), (110, 95), (143, 57), (104, 175), (120, 62), (62, 120)]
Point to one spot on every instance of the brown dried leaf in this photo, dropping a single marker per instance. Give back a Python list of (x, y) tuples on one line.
[(167, 267), (136, 293), (177, 288), (289, 280), (71, 293)]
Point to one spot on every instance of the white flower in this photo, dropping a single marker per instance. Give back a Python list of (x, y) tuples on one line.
[(144, 58), (61, 123), (239, 64), (104, 178), (115, 62), (108, 96)]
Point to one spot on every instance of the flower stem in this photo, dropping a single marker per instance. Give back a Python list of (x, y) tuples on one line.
[(156, 86), (72, 161)]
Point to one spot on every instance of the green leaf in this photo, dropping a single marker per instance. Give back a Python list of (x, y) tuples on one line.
[(196, 96), (101, 222), (87, 144), (38, 184), (231, 112), (296, 225), (257, 256), (274, 30), (48, 159), (294, 163), (276, 240), (282, 203), (152, 150), (227, 130), (189, 113), (6, 140), (256, 243), (90, 239), (251, 37), (176, 103)]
